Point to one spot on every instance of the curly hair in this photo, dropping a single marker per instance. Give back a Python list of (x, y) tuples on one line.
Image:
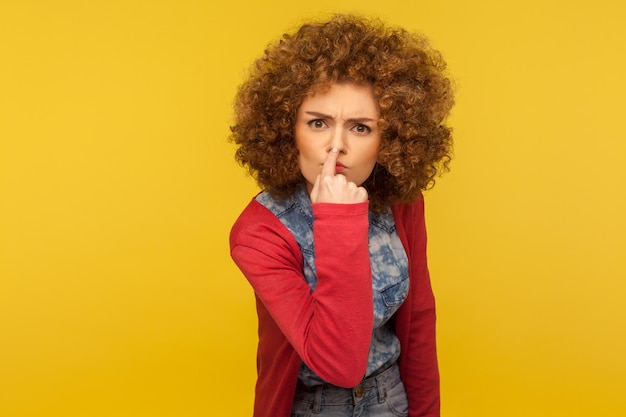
[(409, 83)]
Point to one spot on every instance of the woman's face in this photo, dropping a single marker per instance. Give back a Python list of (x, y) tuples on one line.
[(344, 117)]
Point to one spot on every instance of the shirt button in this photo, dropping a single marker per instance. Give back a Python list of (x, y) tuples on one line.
[(358, 391)]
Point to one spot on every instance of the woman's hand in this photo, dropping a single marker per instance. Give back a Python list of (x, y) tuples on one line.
[(330, 187)]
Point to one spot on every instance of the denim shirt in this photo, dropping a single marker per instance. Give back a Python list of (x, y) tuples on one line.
[(389, 265)]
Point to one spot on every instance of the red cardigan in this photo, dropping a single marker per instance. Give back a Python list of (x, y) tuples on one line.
[(330, 329)]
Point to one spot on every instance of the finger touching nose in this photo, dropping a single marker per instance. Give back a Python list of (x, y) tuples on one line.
[(329, 163)]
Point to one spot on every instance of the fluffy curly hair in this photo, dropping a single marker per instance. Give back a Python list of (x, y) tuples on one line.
[(409, 83)]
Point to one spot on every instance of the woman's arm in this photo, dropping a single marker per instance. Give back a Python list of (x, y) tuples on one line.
[(331, 327)]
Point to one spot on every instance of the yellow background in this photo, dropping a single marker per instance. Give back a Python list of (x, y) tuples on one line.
[(118, 189)]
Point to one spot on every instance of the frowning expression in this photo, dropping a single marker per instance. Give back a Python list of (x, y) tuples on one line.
[(344, 117)]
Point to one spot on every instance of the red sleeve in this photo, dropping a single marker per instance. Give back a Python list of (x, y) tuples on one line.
[(416, 319), (331, 327)]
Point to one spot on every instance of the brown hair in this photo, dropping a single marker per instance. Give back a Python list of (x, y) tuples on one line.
[(409, 83)]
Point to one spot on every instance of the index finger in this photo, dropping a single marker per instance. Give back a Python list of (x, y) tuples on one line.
[(330, 163)]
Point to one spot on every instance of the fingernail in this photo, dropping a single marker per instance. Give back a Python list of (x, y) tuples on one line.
[(334, 150)]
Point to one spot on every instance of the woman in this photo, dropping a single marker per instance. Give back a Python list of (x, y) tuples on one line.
[(342, 123)]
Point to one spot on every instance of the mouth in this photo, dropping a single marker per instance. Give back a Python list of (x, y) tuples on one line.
[(339, 167)]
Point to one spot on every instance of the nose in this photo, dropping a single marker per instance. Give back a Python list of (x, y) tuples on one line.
[(338, 140)]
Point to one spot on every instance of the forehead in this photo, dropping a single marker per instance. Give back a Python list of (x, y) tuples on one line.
[(342, 97)]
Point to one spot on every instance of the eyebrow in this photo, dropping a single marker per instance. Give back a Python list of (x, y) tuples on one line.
[(352, 119)]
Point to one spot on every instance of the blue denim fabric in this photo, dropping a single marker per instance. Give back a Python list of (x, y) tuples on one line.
[(380, 396), (389, 265)]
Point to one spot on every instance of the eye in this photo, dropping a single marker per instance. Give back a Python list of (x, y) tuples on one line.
[(317, 124), (361, 129)]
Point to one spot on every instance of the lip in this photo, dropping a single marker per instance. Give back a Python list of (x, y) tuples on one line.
[(339, 167)]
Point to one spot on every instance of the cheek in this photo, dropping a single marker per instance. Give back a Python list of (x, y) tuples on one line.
[(303, 157), (299, 135), (373, 152), (298, 142), (304, 151)]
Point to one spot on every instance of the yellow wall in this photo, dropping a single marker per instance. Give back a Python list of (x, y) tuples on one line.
[(118, 189)]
